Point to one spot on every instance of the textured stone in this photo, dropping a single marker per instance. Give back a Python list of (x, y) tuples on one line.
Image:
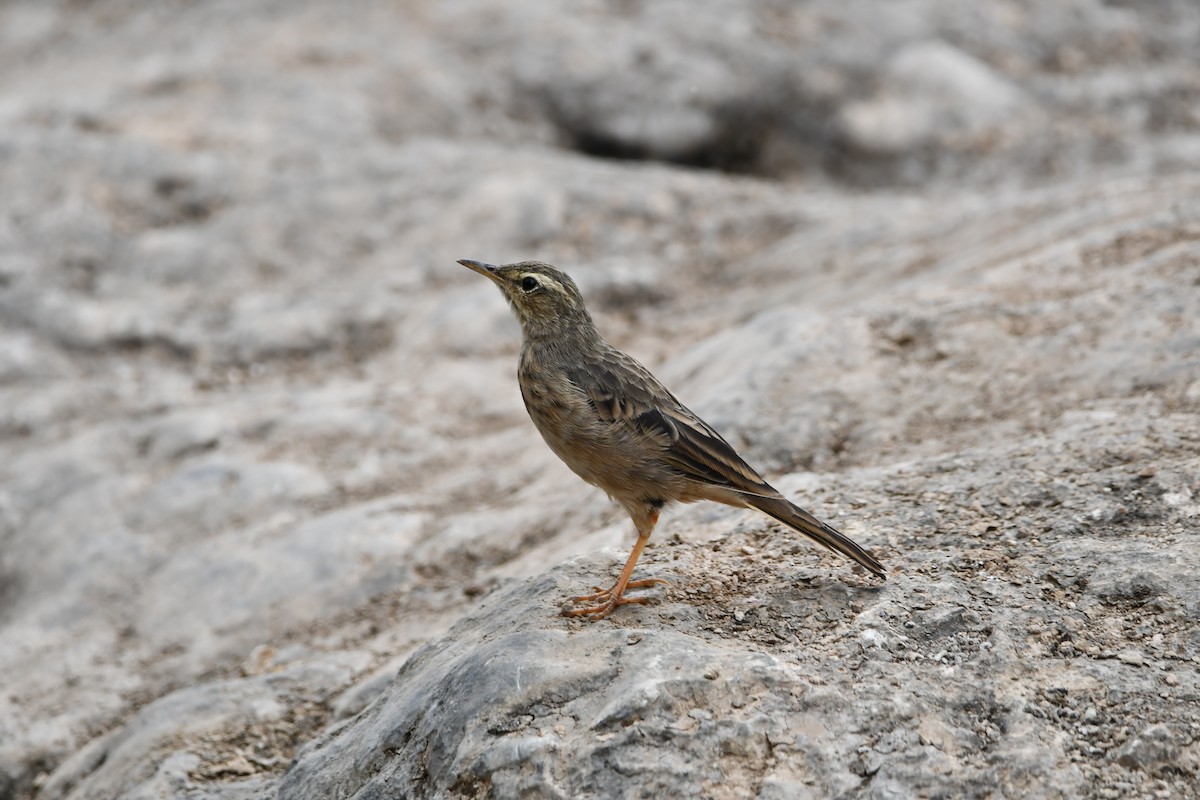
[(254, 419), (933, 96)]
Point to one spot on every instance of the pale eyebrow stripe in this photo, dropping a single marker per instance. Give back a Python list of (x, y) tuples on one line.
[(545, 280)]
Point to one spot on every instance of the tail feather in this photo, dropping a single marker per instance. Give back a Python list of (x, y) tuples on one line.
[(797, 518)]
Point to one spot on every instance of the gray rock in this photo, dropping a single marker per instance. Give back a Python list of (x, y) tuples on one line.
[(24, 358), (1155, 750), (210, 493), (933, 95), (192, 728), (253, 417), (514, 700), (182, 434)]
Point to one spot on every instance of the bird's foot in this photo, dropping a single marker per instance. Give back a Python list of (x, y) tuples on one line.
[(605, 600)]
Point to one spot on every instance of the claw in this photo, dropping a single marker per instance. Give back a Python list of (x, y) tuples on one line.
[(587, 598), (604, 609), (607, 599), (644, 582)]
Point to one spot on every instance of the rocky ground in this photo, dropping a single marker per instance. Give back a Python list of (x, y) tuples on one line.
[(273, 522)]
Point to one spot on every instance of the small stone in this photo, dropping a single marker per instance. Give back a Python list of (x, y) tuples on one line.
[(259, 660), (1132, 657), (1152, 750)]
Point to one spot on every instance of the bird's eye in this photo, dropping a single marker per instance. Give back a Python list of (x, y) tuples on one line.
[(529, 283)]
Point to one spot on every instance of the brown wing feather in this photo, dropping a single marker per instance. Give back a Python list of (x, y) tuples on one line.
[(624, 392)]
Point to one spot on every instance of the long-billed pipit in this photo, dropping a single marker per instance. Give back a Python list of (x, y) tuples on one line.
[(618, 428)]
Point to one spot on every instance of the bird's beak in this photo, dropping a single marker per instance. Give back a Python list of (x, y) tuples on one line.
[(482, 267)]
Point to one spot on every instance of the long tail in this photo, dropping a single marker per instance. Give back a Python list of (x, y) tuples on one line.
[(804, 522)]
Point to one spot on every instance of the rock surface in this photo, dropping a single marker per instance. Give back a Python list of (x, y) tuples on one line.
[(273, 521)]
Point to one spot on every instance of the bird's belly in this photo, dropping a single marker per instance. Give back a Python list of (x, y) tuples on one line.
[(601, 461)]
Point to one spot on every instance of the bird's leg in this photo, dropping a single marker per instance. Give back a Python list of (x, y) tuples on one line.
[(608, 599)]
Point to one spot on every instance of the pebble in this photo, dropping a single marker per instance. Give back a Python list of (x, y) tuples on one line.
[(1132, 657)]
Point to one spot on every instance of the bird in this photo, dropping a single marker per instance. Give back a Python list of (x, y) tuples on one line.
[(619, 428)]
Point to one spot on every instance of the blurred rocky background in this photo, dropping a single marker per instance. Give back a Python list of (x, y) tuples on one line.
[(273, 522)]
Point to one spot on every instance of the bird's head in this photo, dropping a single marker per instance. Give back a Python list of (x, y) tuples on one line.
[(545, 299)]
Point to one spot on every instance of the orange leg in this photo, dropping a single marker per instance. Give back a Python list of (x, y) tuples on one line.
[(607, 599)]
